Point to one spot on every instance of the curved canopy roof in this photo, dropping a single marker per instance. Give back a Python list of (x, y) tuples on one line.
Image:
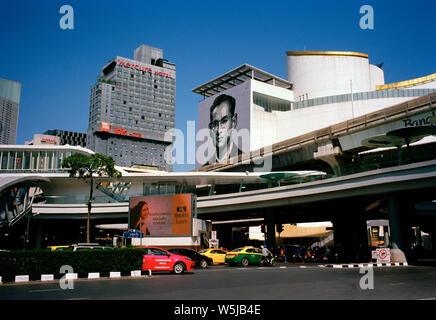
[(10, 180)]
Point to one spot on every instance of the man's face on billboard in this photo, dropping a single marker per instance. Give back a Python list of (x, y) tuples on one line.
[(222, 124)]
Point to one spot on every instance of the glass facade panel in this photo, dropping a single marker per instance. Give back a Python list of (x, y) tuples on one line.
[(5, 160), (34, 160), (42, 160), (26, 160), (11, 160), (49, 164), (270, 103), (19, 160)]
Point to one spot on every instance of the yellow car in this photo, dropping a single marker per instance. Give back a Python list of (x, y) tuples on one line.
[(217, 255), (57, 248)]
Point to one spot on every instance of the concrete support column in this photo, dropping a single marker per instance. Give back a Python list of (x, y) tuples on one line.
[(270, 229), (399, 229), (36, 228), (330, 154), (225, 236), (350, 233)]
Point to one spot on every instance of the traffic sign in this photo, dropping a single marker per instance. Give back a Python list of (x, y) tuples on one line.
[(213, 243), (383, 255), (133, 234)]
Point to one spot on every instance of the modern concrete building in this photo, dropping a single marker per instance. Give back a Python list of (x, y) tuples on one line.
[(132, 106), (41, 139), (322, 89), (68, 137), (10, 94)]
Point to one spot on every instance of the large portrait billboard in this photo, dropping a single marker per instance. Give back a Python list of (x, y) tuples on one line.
[(162, 215), (224, 125)]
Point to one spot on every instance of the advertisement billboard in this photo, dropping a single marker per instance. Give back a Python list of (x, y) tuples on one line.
[(162, 215), (223, 125)]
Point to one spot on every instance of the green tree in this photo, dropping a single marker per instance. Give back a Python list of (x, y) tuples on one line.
[(87, 168)]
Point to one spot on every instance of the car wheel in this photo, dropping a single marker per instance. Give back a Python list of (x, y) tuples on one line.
[(203, 264), (244, 262), (179, 268)]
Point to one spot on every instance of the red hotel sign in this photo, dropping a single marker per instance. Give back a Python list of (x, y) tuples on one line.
[(143, 68), (106, 127)]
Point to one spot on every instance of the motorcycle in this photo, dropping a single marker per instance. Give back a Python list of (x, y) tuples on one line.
[(267, 261)]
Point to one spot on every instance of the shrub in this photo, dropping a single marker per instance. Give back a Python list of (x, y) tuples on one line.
[(37, 262)]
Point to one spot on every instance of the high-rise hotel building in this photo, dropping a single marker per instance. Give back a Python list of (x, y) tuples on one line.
[(132, 105), (10, 94)]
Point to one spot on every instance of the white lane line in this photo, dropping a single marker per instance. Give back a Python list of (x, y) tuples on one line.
[(44, 290)]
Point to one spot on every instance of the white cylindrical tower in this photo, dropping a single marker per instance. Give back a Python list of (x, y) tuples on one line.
[(377, 76), (325, 73)]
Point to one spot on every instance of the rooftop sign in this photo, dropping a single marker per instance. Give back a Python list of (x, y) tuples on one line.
[(140, 67)]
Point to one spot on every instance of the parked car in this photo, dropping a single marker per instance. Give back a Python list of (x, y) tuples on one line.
[(84, 246), (58, 248), (217, 255), (244, 256), (200, 260), (158, 259)]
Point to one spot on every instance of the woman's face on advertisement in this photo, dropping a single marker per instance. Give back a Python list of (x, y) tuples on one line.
[(144, 211)]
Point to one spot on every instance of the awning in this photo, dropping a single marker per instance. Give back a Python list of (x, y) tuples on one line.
[(293, 231), (113, 226)]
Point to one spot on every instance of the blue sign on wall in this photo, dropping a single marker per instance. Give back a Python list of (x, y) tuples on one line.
[(133, 234)]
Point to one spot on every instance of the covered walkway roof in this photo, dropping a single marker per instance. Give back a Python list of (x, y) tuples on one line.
[(188, 178), (238, 76), (7, 180)]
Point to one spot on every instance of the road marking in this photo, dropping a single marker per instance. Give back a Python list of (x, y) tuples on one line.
[(44, 290), (396, 284)]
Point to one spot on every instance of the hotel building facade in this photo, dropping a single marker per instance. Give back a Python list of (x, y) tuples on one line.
[(132, 106), (10, 92)]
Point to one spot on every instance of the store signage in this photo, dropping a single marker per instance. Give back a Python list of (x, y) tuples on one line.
[(106, 127), (143, 68), (133, 234), (49, 140)]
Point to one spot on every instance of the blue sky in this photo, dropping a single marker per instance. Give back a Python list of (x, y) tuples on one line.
[(204, 38)]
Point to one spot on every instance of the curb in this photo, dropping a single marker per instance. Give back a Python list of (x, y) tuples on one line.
[(74, 276), (366, 265)]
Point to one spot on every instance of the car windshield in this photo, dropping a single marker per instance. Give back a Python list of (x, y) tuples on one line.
[(237, 249), (203, 251)]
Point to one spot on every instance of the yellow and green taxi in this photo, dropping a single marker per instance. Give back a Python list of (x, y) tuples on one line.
[(244, 256), (57, 248), (217, 255)]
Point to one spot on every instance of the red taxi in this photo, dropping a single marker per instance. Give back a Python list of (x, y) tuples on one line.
[(158, 259)]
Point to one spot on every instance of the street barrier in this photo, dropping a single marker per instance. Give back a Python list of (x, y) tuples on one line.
[(47, 277), (22, 278)]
